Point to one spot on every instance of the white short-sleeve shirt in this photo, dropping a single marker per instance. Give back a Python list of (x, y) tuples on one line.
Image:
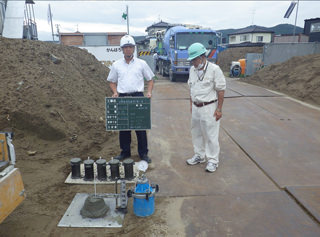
[(130, 77), (205, 90)]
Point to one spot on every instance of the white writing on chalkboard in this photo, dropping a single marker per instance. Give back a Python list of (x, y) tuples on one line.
[(128, 113)]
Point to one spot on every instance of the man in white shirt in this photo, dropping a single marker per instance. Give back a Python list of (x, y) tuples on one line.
[(126, 78), (207, 85)]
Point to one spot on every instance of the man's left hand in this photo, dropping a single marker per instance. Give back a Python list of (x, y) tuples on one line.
[(217, 114), (149, 94)]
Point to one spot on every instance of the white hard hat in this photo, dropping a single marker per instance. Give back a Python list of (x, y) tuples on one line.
[(127, 40)]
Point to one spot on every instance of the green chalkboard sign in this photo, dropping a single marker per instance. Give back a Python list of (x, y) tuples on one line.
[(128, 113)]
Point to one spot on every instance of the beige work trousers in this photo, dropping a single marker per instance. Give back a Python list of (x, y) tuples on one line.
[(205, 132)]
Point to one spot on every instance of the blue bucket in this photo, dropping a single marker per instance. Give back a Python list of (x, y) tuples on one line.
[(143, 205)]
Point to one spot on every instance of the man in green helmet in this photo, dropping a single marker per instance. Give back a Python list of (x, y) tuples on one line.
[(207, 85)]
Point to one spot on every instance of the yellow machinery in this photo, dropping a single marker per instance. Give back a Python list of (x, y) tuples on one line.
[(12, 191)]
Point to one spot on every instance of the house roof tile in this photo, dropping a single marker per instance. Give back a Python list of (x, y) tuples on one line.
[(252, 29)]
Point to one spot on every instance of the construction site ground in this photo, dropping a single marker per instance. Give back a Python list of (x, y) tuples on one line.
[(267, 183)]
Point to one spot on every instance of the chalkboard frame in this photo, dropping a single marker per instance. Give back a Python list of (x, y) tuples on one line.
[(145, 104)]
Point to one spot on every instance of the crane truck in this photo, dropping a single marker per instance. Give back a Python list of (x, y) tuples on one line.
[(172, 49)]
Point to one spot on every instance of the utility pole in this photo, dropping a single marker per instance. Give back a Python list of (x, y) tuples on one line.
[(50, 18), (127, 19), (253, 12), (295, 23)]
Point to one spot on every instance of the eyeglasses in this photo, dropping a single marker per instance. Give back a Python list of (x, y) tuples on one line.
[(193, 60)]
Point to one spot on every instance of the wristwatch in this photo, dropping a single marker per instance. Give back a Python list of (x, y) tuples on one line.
[(219, 110)]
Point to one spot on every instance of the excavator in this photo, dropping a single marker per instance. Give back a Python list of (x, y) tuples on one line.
[(12, 191)]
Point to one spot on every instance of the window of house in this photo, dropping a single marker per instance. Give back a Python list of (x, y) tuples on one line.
[(232, 38), (259, 38), (315, 27), (244, 38), (95, 40)]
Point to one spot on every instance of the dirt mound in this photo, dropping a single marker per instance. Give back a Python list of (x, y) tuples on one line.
[(298, 77), (52, 95), (234, 54), (53, 98)]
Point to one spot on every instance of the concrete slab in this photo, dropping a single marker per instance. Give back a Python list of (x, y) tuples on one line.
[(170, 145), (308, 197), (293, 112), (248, 89), (230, 93), (286, 149), (255, 214), (267, 143), (170, 90)]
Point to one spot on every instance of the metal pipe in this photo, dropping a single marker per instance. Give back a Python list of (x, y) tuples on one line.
[(116, 183), (34, 18), (295, 23), (27, 15), (107, 195), (128, 19), (51, 22), (95, 185)]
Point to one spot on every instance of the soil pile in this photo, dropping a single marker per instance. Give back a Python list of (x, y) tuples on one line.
[(298, 77), (52, 95), (53, 98), (234, 54)]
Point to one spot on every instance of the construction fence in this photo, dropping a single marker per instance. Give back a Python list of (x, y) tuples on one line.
[(278, 53), (281, 52)]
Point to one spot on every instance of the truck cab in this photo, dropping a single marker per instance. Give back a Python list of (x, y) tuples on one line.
[(173, 49)]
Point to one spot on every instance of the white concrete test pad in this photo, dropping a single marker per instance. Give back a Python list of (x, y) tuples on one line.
[(73, 218)]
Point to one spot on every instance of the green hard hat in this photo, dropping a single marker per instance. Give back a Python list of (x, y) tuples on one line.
[(195, 50)]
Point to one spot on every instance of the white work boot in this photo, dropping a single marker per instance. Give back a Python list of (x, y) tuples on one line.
[(196, 159), (211, 167)]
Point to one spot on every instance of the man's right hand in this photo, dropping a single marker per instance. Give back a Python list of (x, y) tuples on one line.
[(115, 94)]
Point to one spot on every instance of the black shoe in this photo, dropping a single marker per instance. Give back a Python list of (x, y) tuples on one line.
[(146, 158), (121, 157)]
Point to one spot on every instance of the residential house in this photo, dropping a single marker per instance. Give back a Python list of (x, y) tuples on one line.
[(250, 36), (153, 29), (91, 39), (312, 29), (104, 46)]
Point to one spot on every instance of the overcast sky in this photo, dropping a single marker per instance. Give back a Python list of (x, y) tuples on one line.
[(106, 16)]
